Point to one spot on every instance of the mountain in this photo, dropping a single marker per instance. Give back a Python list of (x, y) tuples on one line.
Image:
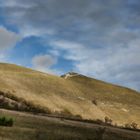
[(71, 94)]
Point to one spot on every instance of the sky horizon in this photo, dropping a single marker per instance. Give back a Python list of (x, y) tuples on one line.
[(97, 38)]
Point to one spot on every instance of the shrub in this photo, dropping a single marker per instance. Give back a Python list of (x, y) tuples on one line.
[(127, 125), (66, 112), (10, 122), (108, 120), (98, 121), (94, 102), (6, 121), (132, 125), (78, 116)]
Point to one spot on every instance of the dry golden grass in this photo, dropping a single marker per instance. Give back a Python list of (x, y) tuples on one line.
[(35, 127), (74, 94)]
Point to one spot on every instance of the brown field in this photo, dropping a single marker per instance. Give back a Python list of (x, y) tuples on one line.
[(35, 127), (24, 89)]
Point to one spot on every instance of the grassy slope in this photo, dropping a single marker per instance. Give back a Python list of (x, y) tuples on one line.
[(28, 126), (74, 94)]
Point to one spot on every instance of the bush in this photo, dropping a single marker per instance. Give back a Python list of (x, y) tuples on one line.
[(132, 125), (95, 102), (6, 121), (78, 116), (108, 121), (98, 121), (66, 112)]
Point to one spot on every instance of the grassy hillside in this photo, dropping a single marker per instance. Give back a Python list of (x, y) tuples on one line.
[(74, 94)]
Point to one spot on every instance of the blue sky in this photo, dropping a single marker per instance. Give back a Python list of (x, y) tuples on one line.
[(97, 38)]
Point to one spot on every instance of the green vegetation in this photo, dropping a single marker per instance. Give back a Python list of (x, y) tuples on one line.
[(4, 121)]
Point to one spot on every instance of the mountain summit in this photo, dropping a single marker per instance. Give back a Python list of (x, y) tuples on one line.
[(70, 74)]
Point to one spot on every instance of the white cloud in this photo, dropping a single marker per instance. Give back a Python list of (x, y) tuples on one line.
[(55, 16), (44, 62), (3, 57), (117, 64), (73, 50), (8, 39), (27, 31)]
